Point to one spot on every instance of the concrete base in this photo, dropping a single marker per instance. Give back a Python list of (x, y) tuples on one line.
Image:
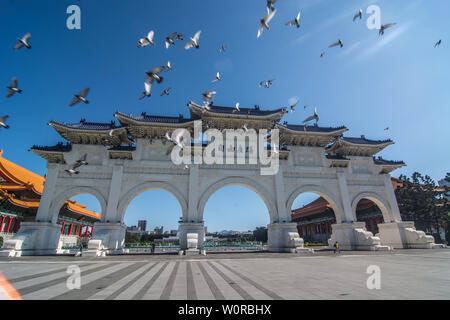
[(108, 238), (186, 228), (354, 236), (284, 237), (33, 239), (403, 234), (192, 252)]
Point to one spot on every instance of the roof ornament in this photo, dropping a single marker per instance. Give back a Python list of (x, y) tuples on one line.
[(257, 107), (180, 116), (363, 137), (83, 120)]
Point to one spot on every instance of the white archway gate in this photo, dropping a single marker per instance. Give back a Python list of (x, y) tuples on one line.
[(314, 159)]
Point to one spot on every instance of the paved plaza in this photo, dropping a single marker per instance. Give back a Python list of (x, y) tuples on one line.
[(405, 274)]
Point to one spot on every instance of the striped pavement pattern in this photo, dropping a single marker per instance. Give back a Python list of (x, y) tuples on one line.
[(163, 280)]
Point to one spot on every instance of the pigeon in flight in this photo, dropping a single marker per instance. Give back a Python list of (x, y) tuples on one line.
[(267, 84), (2, 122), (168, 67), (217, 78), (322, 54), (293, 106), (358, 15), (13, 88), (236, 108), (386, 129), (245, 127), (263, 22), (169, 40), (147, 40), (154, 74), (223, 48), (79, 163), (148, 88), (175, 140), (83, 161), (295, 22), (438, 43), (313, 117), (123, 137), (339, 43), (270, 4), (193, 42), (166, 91), (208, 97), (384, 27), (80, 97), (23, 42)]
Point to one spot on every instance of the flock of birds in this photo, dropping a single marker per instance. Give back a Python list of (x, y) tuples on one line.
[(154, 75)]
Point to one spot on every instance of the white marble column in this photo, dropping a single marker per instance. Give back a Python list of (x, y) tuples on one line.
[(44, 214), (345, 198), (113, 197), (283, 214), (193, 215), (390, 194)]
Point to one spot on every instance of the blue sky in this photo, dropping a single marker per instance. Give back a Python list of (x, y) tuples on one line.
[(398, 81)]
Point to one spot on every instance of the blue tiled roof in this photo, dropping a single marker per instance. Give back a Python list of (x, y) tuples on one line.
[(60, 147), (244, 111), (152, 118), (381, 161), (122, 148), (84, 125), (363, 140), (336, 157), (296, 127)]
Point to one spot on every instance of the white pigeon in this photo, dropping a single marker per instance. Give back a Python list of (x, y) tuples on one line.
[(123, 137), (236, 108), (245, 127), (217, 78), (148, 88), (295, 22), (168, 67), (80, 97), (175, 140), (23, 42), (2, 122), (193, 42), (147, 40), (208, 97), (263, 22)]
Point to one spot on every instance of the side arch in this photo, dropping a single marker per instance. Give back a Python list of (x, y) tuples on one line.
[(59, 200), (378, 200), (321, 191), (125, 200), (253, 185)]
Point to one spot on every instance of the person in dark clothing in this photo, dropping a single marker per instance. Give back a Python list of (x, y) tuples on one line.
[(153, 248), (337, 249)]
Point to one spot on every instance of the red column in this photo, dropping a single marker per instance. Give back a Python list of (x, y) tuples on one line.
[(2, 223), (16, 226), (63, 226), (92, 231), (9, 224), (87, 228), (81, 229), (70, 228)]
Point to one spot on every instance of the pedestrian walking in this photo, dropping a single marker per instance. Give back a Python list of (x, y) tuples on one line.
[(337, 249)]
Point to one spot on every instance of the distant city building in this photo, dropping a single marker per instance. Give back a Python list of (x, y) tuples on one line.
[(173, 232), (159, 230), (445, 183), (142, 225)]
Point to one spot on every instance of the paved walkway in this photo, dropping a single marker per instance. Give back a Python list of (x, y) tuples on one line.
[(405, 274)]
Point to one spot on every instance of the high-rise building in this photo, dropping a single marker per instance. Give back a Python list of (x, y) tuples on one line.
[(142, 225)]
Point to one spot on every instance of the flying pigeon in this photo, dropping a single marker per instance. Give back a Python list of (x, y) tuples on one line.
[(168, 67), (322, 54), (236, 108), (166, 91), (148, 88), (438, 43), (123, 137), (80, 97), (82, 161), (313, 117), (169, 40), (147, 40), (23, 42), (223, 48), (217, 78), (153, 74), (2, 122), (339, 43), (263, 22), (269, 83), (13, 88), (358, 15), (384, 27), (270, 4), (386, 129), (175, 140), (72, 171), (295, 22), (245, 127), (79, 163), (208, 97), (293, 106), (193, 42)]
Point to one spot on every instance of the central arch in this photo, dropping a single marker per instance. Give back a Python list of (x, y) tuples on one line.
[(375, 198), (321, 191), (253, 185), (154, 185)]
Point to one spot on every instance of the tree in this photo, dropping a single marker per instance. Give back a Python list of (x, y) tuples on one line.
[(420, 200), (260, 234)]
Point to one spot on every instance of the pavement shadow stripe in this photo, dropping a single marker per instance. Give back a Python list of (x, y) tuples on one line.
[(244, 294), (99, 284), (268, 292), (165, 295), (218, 295), (43, 274), (53, 282), (191, 294), (144, 289), (130, 283)]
